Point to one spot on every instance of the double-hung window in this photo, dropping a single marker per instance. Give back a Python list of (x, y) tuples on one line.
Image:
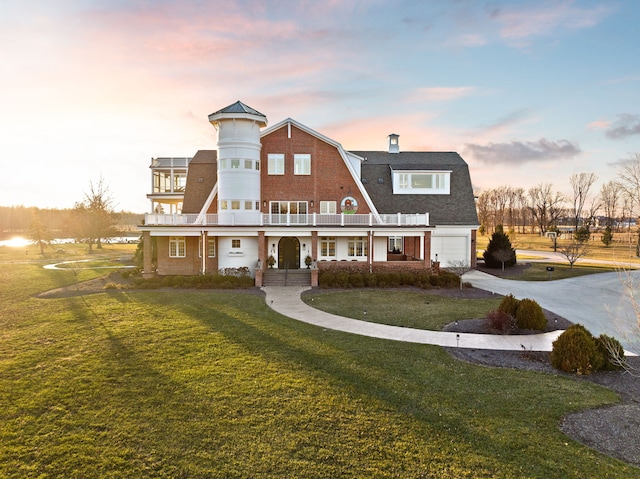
[(395, 244), (301, 164), (211, 248), (357, 246), (327, 207), (275, 164), (177, 247), (327, 247)]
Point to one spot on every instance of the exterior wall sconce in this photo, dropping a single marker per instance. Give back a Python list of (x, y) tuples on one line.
[(312, 203), (264, 204)]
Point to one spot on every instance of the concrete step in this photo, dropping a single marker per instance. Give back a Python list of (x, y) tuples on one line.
[(293, 277)]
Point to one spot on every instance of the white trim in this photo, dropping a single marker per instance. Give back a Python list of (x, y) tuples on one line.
[(203, 212)]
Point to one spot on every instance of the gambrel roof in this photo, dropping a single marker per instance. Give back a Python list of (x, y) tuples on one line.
[(201, 178), (456, 208)]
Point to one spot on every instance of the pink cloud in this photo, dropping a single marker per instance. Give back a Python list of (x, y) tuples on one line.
[(442, 93), (371, 133), (519, 24), (599, 125)]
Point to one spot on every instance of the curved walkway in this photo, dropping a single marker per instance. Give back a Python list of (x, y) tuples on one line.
[(287, 301)]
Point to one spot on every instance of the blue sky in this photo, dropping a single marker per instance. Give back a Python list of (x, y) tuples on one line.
[(526, 91)]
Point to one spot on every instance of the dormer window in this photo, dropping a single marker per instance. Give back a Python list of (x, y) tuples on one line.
[(421, 182)]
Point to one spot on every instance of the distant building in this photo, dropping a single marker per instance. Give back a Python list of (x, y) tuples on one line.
[(287, 195)]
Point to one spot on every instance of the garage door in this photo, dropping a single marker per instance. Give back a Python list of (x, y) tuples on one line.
[(449, 248)]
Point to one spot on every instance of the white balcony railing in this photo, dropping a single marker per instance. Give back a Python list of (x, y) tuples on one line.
[(312, 219)]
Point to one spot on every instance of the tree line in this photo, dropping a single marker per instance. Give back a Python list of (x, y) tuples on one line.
[(542, 208), (91, 220)]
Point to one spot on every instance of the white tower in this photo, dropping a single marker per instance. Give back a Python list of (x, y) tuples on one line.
[(239, 146)]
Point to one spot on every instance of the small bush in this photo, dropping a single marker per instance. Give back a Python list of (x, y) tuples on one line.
[(576, 351), (500, 322), (530, 316), (509, 305), (612, 352)]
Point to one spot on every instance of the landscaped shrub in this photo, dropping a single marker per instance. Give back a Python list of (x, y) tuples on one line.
[(576, 351), (342, 280), (499, 252), (217, 281), (509, 305), (500, 322), (530, 316), (370, 280), (612, 352), (356, 280), (348, 277)]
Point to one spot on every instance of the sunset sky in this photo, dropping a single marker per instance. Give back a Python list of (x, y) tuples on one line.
[(526, 91)]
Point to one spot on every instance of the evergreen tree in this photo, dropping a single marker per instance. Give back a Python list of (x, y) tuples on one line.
[(607, 236), (499, 252)]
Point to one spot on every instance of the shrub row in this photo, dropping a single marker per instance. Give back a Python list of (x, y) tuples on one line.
[(525, 314), (355, 279), (578, 351), (205, 281)]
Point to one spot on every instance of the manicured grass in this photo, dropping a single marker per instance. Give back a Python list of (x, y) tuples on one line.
[(405, 308), (217, 385), (538, 271), (621, 250)]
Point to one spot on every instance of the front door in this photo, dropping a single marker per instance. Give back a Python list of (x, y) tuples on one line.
[(289, 253)]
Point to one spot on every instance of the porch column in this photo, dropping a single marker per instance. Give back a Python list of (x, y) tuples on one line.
[(204, 252), (262, 258), (474, 253), (314, 257), (147, 253), (371, 252), (427, 249)]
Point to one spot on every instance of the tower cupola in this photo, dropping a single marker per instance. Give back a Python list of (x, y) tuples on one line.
[(238, 127)]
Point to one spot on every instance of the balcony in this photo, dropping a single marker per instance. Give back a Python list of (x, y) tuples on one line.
[(312, 219)]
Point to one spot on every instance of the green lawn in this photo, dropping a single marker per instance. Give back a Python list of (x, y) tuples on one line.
[(419, 310), (538, 271), (217, 385)]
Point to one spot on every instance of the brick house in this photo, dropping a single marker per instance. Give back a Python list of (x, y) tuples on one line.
[(288, 199)]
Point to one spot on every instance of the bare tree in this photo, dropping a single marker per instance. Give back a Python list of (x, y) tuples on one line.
[(574, 250), (610, 195), (459, 267), (631, 334), (629, 178), (38, 232), (581, 184), (93, 218), (546, 206)]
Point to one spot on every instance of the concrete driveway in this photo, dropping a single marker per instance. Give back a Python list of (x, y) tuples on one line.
[(600, 302)]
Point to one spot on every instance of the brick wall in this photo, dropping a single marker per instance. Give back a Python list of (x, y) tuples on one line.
[(188, 265), (329, 180)]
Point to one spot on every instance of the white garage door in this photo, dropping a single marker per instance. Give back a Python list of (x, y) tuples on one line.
[(449, 248)]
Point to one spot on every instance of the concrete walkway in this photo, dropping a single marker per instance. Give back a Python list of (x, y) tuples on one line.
[(600, 302), (286, 301)]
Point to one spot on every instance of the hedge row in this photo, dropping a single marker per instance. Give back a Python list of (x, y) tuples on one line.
[(356, 279), (204, 281)]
